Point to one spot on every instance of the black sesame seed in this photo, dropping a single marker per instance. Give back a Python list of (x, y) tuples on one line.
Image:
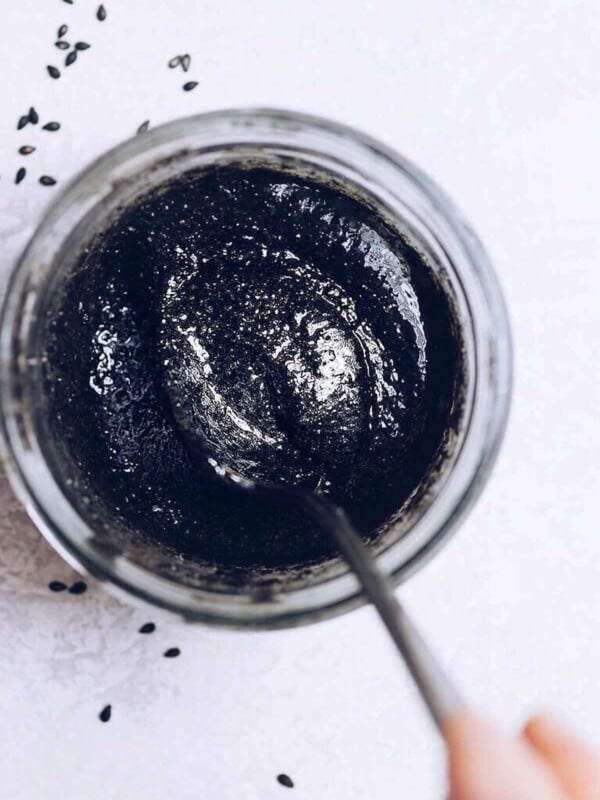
[(34, 117), (70, 2), (144, 127), (285, 780), (147, 627), (57, 586), (174, 62), (187, 87), (22, 121), (71, 58), (101, 13), (20, 175), (62, 31), (82, 46), (79, 587), (26, 150), (51, 126), (53, 72), (172, 652), (186, 60), (104, 715), (62, 45)]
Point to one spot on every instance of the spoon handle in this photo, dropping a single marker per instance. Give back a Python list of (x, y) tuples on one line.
[(437, 690)]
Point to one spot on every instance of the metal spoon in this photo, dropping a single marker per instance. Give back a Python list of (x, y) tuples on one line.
[(213, 438), (437, 690)]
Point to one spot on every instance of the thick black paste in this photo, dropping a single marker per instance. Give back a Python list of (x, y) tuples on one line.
[(285, 323)]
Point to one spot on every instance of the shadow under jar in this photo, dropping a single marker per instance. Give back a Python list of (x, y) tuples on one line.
[(305, 298)]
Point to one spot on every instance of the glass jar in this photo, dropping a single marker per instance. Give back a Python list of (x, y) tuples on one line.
[(409, 201)]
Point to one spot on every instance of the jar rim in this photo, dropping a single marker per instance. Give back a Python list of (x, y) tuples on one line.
[(378, 165)]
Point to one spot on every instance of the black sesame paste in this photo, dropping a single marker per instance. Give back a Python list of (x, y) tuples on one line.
[(286, 323)]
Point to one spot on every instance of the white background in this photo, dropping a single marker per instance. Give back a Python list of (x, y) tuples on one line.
[(499, 101)]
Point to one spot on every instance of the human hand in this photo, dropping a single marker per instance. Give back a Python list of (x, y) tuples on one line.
[(544, 763)]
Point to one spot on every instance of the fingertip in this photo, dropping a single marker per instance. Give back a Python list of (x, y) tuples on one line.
[(467, 738), (547, 732), (485, 764), (467, 725), (543, 723), (575, 763)]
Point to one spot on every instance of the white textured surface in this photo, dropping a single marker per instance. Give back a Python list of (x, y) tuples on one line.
[(499, 102)]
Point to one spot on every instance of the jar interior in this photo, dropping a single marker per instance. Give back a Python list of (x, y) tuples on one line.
[(114, 534)]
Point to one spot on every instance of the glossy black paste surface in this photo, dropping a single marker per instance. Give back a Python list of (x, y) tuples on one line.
[(282, 321)]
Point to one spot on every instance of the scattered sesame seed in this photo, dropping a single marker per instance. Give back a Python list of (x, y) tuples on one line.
[(147, 627)]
